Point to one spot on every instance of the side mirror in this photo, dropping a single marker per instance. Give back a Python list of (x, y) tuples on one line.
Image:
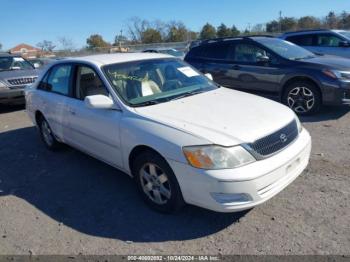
[(263, 59), (209, 76), (36, 65), (344, 44), (99, 102)]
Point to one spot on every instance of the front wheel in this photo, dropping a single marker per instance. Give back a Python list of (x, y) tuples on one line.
[(303, 98), (157, 183)]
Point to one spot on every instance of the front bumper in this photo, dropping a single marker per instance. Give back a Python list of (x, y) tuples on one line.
[(338, 94), (10, 96), (250, 185)]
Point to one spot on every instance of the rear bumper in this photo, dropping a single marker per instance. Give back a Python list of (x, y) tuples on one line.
[(238, 189), (9, 96)]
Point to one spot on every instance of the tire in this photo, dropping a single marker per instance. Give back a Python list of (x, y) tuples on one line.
[(157, 183), (47, 135), (303, 97)]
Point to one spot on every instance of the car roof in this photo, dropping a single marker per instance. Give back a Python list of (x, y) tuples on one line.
[(105, 59), (199, 43), (8, 54), (307, 31), (340, 30)]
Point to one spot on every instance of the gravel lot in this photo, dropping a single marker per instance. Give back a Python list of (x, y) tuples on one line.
[(70, 203)]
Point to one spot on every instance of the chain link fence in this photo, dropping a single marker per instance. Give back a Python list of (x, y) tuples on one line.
[(182, 46)]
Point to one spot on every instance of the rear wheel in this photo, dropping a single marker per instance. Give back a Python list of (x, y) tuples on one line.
[(47, 135), (303, 97), (157, 183)]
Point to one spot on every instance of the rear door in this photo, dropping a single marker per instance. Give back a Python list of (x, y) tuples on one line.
[(213, 58), (53, 95)]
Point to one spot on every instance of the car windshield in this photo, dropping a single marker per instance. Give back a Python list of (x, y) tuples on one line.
[(14, 63), (285, 49), (149, 82), (345, 33)]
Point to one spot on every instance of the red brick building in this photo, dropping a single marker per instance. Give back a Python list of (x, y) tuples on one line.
[(29, 51)]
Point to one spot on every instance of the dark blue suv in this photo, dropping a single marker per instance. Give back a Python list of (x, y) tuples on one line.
[(275, 68)]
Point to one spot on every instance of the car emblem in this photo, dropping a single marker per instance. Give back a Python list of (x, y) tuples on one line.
[(283, 138)]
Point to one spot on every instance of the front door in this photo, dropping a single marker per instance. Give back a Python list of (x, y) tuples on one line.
[(329, 44), (95, 131), (250, 71)]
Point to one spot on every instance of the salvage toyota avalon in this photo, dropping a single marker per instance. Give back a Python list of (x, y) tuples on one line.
[(183, 138)]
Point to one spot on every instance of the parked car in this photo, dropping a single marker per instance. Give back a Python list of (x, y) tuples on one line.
[(275, 68), (15, 74), (324, 41), (168, 51), (42, 61), (183, 138)]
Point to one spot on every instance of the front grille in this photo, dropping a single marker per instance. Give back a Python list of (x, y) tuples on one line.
[(21, 81), (347, 94), (275, 142)]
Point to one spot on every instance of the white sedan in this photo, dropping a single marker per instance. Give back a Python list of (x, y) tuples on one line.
[(183, 138)]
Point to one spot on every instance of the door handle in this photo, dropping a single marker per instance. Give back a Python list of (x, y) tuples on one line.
[(236, 67)]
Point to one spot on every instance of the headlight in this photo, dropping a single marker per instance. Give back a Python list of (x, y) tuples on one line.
[(217, 157), (3, 85), (335, 74)]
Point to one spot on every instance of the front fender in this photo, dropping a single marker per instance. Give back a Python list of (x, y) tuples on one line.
[(166, 140), (311, 76)]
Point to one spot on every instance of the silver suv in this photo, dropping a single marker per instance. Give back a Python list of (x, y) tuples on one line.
[(323, 41), (15, 74)]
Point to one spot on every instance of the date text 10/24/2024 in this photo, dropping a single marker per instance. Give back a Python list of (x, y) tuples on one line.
[(173, 258)]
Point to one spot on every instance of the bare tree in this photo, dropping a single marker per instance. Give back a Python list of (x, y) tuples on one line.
[(66, 44), (136, 27), (46, 45), (259, 28)]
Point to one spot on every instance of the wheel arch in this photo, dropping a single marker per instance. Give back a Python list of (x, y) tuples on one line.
[(292, 79), (38, 116), (137, 150)]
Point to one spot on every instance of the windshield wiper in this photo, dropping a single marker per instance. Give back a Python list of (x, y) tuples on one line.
[(147, 103), (154, 102), (305, 57), (190, 93)]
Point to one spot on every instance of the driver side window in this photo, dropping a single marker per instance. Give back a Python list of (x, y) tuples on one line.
[(247, 53), (328, 40), (88, 83), (251, 54)]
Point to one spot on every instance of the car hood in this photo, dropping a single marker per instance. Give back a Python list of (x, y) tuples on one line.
[(334, 62), (223, 116), (18, 73)]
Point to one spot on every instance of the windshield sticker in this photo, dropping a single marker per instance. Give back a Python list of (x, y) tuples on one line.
[(188, 71), (18, 59)]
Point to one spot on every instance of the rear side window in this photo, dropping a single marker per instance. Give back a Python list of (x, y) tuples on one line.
[(218, 51), (197, 51), (303, 40), (57, 80)]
